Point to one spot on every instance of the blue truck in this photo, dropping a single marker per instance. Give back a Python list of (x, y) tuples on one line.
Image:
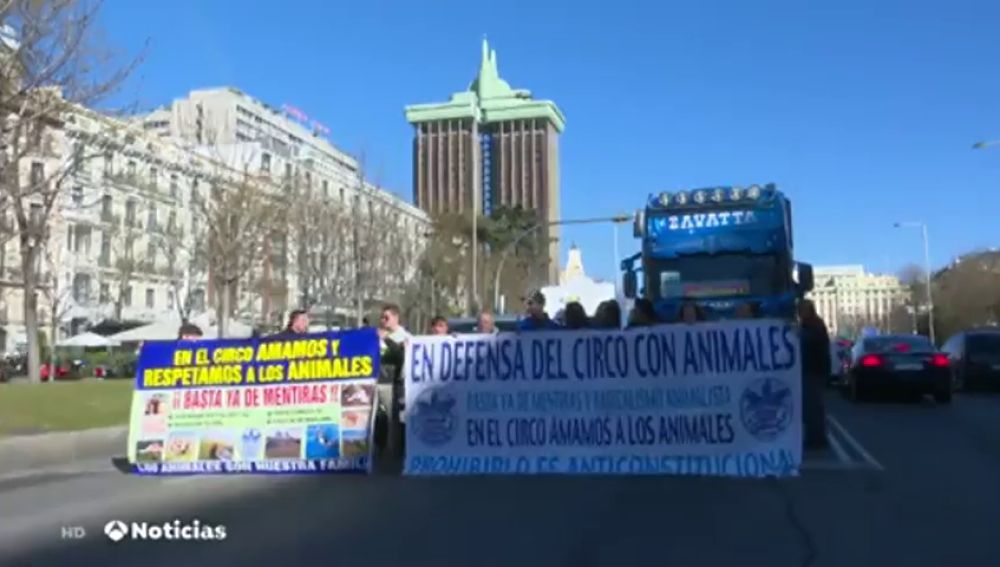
[(718, 247)]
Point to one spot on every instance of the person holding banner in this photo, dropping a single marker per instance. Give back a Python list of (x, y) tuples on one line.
[(298, 323), (189, 332), (536, 319), (486, 324), (642, 315), (816, 368), (575, 316), (392, 338), (439, 326)]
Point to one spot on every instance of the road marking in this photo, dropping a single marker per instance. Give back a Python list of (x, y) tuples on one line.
[(841, 453), (854, 444)]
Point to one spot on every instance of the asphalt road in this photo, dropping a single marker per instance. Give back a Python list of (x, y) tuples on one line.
[(910, 484)]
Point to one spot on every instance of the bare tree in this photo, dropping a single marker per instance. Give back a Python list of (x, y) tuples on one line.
[(322, 231), (185, 266), (49, 64), (126, 261), (237, 217)]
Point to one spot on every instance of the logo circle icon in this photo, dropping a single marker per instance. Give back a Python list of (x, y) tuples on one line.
[(766, 408), (433, 417), (116, 530)]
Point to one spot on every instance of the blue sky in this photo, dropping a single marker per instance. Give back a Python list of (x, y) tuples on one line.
[(863, 114)]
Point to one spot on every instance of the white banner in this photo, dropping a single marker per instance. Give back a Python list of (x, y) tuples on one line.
[(707, 399)]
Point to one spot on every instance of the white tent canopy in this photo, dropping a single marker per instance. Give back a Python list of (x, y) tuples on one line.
[(158, 331), (87, 340), (167, 331)]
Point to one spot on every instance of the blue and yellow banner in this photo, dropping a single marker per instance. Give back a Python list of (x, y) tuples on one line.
[(285, 404)]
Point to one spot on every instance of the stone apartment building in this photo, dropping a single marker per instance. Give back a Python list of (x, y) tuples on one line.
[(123, 227)]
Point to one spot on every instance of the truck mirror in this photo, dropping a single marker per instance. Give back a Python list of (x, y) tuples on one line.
[(805, 277), (639, 224), (630, 284)]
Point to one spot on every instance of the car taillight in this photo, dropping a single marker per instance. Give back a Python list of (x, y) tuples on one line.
[(871, 360), (939, 360)]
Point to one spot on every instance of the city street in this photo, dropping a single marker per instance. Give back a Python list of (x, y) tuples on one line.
[(905, 484)]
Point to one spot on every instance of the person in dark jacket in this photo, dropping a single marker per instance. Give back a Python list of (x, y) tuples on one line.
[(609, 315), (691, 313), (816, 369), (642, 315), (536, 319), (575, 317)]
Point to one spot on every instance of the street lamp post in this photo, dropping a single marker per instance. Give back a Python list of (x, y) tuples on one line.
[(927, 272), (531, 229)]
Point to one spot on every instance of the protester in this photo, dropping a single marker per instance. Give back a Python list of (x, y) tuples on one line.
[(189, 332), (609, 315), (643, 314), (298, 323), (749, 310), (389, 325), (816, 369), (438, 326), (575, 316), (691, 313), (393, 337), (486, 324), (536, 319)]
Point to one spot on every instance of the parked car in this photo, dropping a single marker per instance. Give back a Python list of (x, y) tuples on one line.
[(975, 358), (898, 363)]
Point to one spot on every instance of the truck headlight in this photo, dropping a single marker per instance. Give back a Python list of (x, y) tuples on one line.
[(753, 192), (718, 195), (700, 197), (735, 193), (681, 198), (665, 199)]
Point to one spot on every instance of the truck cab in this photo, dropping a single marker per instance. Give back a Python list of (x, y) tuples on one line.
[(720, 248)]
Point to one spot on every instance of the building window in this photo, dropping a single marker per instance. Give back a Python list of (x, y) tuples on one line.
[(104, 260), (105, 294), (170, 299), (81, 239), (326, 188), (150, 298), (151, 254), (37, 173), (76, 195), (81, 289), (265, 162), (288, 171), (151, 218), (127, 296), (171, 222), (130, 206), (106, 208), (173, 185), (153, 175), (109, 163), (130, 168)]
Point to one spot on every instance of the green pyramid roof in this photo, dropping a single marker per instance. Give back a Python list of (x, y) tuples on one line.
[(489, 99)]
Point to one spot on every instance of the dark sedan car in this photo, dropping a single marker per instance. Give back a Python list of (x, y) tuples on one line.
[(898, 363), (975, 358)]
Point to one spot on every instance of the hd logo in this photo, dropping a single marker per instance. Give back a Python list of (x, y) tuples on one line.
[(116, 530)]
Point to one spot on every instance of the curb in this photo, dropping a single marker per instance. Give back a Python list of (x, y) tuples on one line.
[(26, 453)]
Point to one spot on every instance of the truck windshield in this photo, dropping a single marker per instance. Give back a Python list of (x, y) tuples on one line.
[(719, 275)]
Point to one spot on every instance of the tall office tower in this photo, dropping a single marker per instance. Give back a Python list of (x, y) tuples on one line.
[(489, 146)]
